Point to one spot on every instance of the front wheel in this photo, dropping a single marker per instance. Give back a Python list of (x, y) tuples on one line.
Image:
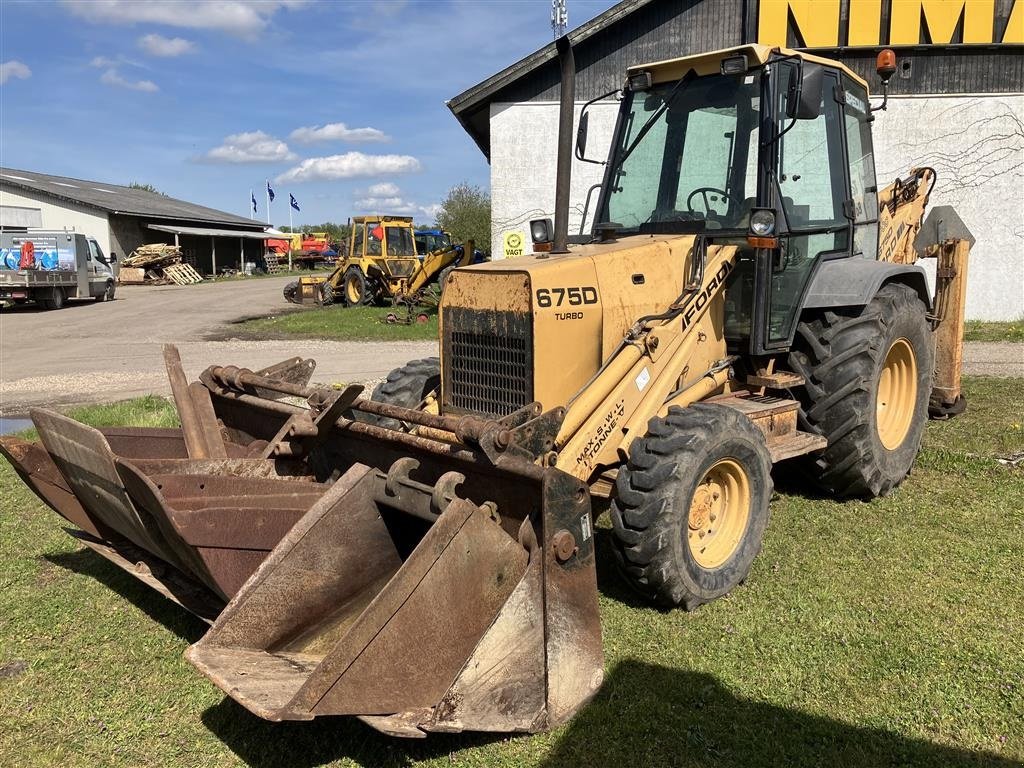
[(691, 505), (406, 386), (108, 292), (868, 377)]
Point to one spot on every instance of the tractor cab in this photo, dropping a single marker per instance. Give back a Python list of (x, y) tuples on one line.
[(765, 148)]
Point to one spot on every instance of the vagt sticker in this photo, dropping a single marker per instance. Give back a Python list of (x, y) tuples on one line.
[(585, 526), (642, 379)]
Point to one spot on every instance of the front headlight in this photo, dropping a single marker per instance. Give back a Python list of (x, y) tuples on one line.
[(762, 222)]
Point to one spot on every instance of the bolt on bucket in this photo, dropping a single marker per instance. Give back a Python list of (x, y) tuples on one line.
[(418, 610)]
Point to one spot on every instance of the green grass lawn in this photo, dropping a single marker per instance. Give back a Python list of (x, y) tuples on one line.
[(339, 323), (978, 330), (868, 634)]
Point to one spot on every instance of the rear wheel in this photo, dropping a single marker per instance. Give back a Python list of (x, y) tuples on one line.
[(355, 288), (406, 386), (868, 378), (442, 279), (691, 505), (54, 300)]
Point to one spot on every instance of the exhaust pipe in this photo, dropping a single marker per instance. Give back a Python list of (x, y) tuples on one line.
[(564, 164)]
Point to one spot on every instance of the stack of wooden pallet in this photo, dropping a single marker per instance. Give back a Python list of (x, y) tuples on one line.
[(157, 264)]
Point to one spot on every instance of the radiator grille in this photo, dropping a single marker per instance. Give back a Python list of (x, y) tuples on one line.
[(488, 369)]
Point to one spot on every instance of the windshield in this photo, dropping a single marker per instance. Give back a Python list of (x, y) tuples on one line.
[(427, 242), (400, 242), (698, 160)]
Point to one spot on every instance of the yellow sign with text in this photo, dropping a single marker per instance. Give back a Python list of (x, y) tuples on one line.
[(513, 244), (817, 23)]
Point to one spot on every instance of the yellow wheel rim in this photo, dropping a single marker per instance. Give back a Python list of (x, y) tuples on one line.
[(897, 394), (352, 289), (719, 512)]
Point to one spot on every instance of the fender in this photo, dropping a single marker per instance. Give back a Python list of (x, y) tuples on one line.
[(853, 282)]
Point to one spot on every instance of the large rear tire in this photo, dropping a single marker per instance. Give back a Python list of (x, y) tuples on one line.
[(406, 386), (55, 300), (691, 505), (868, 377), (355, 289)]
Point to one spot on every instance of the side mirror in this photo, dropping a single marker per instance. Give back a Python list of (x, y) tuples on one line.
[(113, 256), (803, 97), (581, 135)]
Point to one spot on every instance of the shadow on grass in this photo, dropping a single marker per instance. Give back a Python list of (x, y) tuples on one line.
[(309, 744), (647, 715), (175, 618)]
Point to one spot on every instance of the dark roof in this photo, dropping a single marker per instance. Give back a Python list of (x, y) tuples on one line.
[(114, 198), (467, 105)]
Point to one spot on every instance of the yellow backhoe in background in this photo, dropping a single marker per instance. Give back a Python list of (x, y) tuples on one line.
[(424, 559), (382, 267)]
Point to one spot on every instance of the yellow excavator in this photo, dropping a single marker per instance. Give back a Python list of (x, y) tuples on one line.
[(424, 559), (382, 267)]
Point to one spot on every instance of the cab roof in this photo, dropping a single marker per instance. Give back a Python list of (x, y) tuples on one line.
[(708, 63)]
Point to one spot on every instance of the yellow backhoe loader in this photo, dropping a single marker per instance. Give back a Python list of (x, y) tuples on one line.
[(382, 267), (424, 559)]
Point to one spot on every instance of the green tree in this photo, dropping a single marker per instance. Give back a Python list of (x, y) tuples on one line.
[(466, 214), (146, 188)]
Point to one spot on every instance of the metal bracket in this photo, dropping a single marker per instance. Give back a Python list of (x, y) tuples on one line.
[(527, 442), (303, 431)]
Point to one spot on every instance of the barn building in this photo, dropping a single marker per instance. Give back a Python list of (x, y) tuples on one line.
[(123, 218), (956, 104)]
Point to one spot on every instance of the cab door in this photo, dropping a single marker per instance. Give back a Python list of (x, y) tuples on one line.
[(811, 189)]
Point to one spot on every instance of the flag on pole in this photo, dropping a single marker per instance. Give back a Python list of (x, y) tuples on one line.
[(294, 203), (270, 191), (253, 196)]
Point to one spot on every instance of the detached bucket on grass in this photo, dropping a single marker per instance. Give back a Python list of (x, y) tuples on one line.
[(412, 624)]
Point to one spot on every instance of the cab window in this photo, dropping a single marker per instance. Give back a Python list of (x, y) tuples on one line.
[(863, 186)]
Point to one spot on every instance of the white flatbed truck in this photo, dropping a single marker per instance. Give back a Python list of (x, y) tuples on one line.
[(65, 265)]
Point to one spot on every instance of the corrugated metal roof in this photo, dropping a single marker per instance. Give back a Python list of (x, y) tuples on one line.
[(209, 232), (114, 198)]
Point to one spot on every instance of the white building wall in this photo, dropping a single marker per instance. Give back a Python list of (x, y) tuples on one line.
[(975, 143), (57, 214)]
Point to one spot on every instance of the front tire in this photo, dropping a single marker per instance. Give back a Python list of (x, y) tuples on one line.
[(406, 386), (692, 505), (108, 292), (868, 377), (291, 292)]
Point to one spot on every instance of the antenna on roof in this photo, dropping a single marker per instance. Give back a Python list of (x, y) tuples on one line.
[(559, 18)]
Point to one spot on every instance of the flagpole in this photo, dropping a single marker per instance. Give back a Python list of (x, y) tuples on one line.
[(268, 201), (291, 231)]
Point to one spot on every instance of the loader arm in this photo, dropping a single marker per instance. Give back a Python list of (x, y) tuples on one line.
[(675, 358)]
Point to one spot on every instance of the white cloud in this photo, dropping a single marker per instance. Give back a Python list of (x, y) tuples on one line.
[(102, 61), (113, 77), (14, 69), (349, 165), (394, 204), (165, 47), (242, 18), (250, 147), (337, 132), (384, 189)]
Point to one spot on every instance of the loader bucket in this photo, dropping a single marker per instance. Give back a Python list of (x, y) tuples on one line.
[(415, 623)]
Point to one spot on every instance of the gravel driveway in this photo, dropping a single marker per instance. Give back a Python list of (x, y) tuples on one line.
[(102, 352)]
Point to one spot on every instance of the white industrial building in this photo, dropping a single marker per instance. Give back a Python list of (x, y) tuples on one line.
[(956, 104), (123, 218)]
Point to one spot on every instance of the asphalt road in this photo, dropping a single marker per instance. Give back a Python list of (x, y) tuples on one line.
[(102, 352), (90, 352)]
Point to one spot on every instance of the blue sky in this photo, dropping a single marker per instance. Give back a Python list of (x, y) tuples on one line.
[(339, 103)]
